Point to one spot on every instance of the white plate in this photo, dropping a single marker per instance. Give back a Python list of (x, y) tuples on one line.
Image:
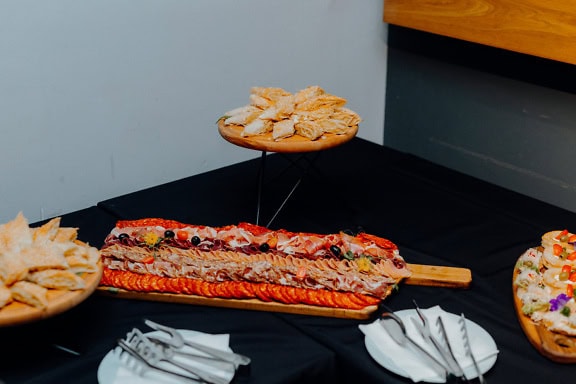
[(111, 369), (482, 340)]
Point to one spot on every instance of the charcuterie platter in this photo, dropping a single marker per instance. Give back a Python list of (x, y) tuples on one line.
[(251, 267), (543, 288)]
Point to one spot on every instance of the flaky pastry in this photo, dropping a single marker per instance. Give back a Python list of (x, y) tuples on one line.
[(310, 113)]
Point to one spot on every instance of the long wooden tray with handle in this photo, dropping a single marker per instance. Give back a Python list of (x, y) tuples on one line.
[(439, 276), (426, 275)]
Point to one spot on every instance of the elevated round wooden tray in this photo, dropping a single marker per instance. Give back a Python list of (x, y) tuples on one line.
[(58, 301), (555, 346), (293, 144)]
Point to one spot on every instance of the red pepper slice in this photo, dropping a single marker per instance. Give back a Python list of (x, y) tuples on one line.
[(148, 260), (557, 249), (569, 290), (559, 236)]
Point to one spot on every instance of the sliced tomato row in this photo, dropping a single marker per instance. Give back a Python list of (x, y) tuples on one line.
[(236, 290)]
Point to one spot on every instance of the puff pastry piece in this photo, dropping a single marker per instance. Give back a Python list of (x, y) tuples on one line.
[(257, 127), (270, 93), (337, 127), (348, 116), (43, 257), (242, 116), (46, 232), (30, 293), (57, 279), (281, 110), (15, 234), (324, 100), (5, 295), (307, 93), (317, 114), (12, 268), (309, 129), (283, 129)]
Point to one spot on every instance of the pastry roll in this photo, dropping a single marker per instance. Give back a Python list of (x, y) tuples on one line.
[(30, 293), (309, 129), (57, 279), (283, 129), (281, 110), (257, 127), (66, 235), (5, 295), (242, 116), (316, 114), (15, 234), (46, 232), (45, 257), (346, 115), (337, 127), (307, 93), (12, 268), (270, 93), (324, 100)]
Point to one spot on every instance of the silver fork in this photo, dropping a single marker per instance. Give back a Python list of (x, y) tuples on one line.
[(426, 333), (468, 348), (177, 341), (154, 354), (148, 364)]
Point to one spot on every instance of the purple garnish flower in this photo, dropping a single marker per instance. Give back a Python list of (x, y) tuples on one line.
[(559, 302)]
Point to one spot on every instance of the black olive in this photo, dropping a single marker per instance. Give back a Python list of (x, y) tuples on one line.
[(195, 240), (123, 236), (335, 250), (349, 232), (169, 234), (264, 247)]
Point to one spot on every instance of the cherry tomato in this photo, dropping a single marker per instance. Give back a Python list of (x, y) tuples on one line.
[(182, 235)]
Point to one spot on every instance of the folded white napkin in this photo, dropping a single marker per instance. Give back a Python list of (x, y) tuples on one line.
[(126, 374), (410, 363)]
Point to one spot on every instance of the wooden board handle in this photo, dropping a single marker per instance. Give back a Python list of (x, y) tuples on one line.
[(438, 276)]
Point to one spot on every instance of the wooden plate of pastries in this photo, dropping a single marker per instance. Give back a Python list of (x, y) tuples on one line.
[(44, 270), (278, 121)]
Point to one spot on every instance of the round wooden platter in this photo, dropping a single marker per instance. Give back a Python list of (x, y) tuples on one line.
[(59, 301), (293, 144), (555, 346)]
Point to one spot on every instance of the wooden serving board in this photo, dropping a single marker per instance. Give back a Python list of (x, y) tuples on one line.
[(58, 301), (439, 276), (248, 304), (293, 144), (557, 347), (422, 275)]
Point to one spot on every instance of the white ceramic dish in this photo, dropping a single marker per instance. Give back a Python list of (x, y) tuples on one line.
[(482, 341), (112, 371)]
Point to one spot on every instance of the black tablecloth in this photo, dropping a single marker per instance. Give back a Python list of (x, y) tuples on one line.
[(435, 215)]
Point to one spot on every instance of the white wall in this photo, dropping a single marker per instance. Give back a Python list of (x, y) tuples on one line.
[(100, 98)]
